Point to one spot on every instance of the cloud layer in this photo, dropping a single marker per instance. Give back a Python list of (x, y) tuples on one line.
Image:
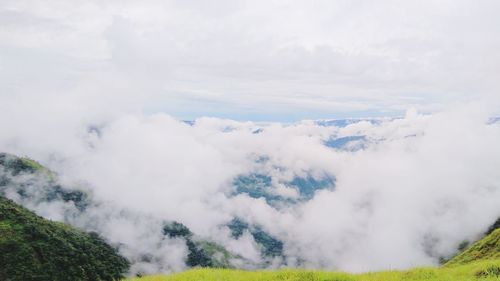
[(409, 195)]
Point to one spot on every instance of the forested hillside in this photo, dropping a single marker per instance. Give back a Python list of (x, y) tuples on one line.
[(33, 248)]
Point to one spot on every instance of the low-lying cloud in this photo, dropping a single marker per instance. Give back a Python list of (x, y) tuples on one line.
[(407, 193)]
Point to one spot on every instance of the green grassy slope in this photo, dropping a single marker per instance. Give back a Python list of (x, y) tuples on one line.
[(33, 248), (484, 249), (483, 270)]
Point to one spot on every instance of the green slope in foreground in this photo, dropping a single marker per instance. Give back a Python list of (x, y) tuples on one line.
[(483, 270), (485, 249)]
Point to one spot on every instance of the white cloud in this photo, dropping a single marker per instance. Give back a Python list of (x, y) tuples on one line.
[(420, 186), (253, 58)]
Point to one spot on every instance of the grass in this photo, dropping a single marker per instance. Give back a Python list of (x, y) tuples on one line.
[(37, 167), (487, 270), (486, 248)]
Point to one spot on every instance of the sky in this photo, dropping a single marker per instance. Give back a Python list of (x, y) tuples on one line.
[(249, 60)]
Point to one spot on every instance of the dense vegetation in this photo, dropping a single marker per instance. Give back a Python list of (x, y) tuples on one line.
[(33, 248), (483, 271), (269, 245), (494, 226), (200, 252)]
